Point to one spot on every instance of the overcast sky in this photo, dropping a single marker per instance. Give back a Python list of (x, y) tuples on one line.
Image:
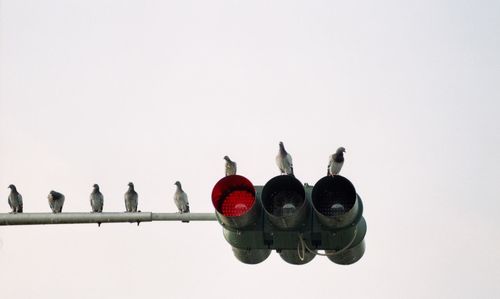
[(152, 92)]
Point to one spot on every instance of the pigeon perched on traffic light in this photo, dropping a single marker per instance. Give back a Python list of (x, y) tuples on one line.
[(181, 199), (131, 199), (230, 166), (284, 161), (56, 201), (15, 200), (336, 162), (96, 199)]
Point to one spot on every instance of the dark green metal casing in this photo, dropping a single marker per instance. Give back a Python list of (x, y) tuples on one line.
[(340, 236)]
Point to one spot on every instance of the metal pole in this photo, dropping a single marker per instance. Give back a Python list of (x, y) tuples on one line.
[(183, 217), (73, 218)]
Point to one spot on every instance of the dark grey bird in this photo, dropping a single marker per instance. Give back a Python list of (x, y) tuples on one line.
[(15, 200), (181, 199), (230, 166), (284, 161), (131, 199), (56, 201), (96, 200), (336, 162)]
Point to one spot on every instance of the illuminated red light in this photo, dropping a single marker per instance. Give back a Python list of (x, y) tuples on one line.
[(237, 203), (233, 196)]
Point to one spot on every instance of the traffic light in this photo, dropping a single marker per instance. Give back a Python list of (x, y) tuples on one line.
[(294, 219), (339, 211), (240, 213)]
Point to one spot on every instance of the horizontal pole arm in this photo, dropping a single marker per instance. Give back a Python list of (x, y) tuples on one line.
[(183, 217), (73, 218)]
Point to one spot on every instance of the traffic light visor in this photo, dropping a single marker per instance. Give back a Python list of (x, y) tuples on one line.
[(233, 196), (335, 201), (284, 201)]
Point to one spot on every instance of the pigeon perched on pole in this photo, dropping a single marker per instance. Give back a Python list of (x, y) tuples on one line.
[(181, 199), (284, 161), (56, 201), (96, 200), (230, 166), (15, 200), (336, 162), (131, 199)]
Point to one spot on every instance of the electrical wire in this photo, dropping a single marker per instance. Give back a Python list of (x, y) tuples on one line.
[(302, 247)]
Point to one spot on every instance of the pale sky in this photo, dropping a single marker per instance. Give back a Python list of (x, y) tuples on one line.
[(152, 92)]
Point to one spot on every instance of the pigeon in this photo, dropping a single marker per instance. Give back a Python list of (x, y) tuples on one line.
[(336, 162), (56, 201), (230, 166), (131, 199), (96, 200), (284, 161), (181, 199), (15, 200)]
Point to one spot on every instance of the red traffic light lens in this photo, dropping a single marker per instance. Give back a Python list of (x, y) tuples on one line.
[(237, 203), (233, 196)]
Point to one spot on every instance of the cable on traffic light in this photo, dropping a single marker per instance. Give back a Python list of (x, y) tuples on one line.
[(302, 246)]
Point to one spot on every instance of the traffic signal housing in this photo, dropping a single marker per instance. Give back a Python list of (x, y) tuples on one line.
[(294, 219), (239, 211)]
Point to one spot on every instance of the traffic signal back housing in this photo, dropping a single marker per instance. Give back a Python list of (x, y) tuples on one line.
[(294, 219)]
